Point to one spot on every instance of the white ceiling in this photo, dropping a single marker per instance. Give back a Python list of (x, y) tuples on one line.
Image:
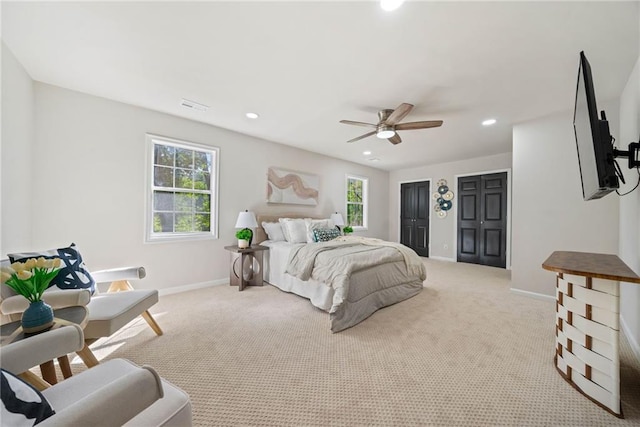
[(303, 66)]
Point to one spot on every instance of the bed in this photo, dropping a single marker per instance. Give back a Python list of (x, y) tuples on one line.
[(348, 277)]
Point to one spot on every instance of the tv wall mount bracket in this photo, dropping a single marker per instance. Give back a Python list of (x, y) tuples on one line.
[(633, 154)]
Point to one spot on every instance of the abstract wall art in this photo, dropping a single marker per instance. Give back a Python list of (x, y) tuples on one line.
[(291, 187)]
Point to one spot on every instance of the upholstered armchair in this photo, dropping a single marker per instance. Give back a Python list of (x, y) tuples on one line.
[(113, 393), (108, 312)]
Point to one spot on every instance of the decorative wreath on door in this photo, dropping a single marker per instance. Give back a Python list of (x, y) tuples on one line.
[(443, 198)]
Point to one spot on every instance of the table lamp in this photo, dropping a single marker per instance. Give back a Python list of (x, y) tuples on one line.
[(337, 219), (247, 221)]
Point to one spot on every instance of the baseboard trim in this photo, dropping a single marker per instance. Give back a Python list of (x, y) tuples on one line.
[(632, 341), (442, 258), (530, 294), (193, 286)]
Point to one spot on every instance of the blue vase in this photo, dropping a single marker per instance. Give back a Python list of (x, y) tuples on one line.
[(37, 317)]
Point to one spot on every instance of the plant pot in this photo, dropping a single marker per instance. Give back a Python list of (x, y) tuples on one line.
[(37, 317), (243, 244)]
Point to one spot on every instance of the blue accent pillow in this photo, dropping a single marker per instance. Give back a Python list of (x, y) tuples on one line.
[(22, 405), (73, 274), (325, 234)]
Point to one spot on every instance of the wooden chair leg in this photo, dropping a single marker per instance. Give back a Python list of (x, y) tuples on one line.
[(87, 356), (65, 367), (120, 285), (152, 322), (49, 372), (35, 380)]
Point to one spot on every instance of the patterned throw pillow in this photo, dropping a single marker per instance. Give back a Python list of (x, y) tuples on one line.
[(73, 274), (326, 234), (316, 224), (22, 405)]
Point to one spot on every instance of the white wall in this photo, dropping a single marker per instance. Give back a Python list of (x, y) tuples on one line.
[(630, 208), (18, 124), (549, 213), (443, 231), (90, 174)]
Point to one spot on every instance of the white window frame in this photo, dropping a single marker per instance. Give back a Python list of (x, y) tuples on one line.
[(365, 201), (155, 237)]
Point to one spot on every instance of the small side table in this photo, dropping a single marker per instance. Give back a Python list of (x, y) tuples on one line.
[(246, 266), (12, 332)]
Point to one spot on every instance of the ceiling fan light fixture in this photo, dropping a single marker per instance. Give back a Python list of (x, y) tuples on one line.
[(390, 5), (390, 122), (385, 132)]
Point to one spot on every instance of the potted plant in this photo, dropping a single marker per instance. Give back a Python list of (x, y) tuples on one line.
[(347, 229), (30, 279), (243, 237)]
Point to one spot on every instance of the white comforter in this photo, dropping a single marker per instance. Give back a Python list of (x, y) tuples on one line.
[(334, 262)]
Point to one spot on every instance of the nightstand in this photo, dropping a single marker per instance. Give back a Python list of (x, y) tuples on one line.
[(246, 266)]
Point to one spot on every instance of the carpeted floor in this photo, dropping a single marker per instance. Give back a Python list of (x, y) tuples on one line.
[(465, 351)]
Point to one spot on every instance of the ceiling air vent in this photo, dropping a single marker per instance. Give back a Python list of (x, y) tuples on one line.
[(194, 105)]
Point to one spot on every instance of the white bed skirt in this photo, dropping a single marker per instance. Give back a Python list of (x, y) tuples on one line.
[(275, 262)]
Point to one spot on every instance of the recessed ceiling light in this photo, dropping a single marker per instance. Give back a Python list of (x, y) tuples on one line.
[(252, 115), (390, 5), (366, 153), (488, 122)]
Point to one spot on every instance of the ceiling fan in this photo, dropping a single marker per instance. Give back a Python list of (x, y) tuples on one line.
[(389, 124)]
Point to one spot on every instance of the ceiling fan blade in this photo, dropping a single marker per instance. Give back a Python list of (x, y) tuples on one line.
[(350, 122), (419, 125), (399, 114), (362, 136), (395, 139)]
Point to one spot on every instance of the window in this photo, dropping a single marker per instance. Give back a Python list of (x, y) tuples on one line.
[(357, 201), (183, 196)]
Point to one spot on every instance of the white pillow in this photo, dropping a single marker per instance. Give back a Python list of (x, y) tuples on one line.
[(274, 231), (294, 229), (316, 224)]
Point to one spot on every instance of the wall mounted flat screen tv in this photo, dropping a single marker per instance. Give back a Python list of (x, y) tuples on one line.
[(593, 140)]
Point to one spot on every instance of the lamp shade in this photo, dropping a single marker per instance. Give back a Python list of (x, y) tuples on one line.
[(246, 219), (337, 219)]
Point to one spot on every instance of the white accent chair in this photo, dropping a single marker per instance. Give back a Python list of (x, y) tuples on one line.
[(108, 312), (113, 393)]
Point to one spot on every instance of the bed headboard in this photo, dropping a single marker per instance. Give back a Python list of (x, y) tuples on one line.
[(260, 235)]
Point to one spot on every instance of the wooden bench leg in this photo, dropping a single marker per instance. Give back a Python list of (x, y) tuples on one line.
[(152, 322)]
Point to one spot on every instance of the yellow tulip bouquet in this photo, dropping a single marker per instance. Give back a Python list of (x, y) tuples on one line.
[(32, 277)]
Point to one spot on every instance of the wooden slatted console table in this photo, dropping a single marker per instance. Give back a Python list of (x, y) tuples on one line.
[(588, 323)]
